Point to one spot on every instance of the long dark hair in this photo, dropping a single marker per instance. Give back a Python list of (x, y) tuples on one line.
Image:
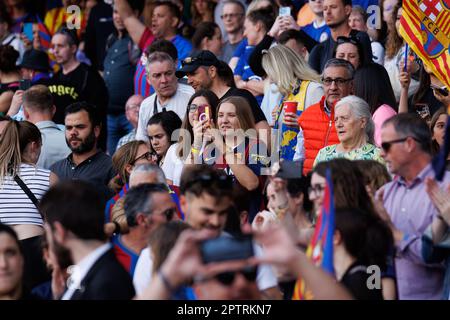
[(365, 236), (186, 125), (373, 86), (435, 147), (348, 184), (169, 121)]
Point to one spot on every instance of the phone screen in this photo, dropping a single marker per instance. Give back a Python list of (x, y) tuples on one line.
[(28, 30), (24, 84), (226, 248), (285, 11), (203, 112)]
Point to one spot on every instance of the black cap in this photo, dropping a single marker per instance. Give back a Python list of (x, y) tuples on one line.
[(35, 60), (201, 58)]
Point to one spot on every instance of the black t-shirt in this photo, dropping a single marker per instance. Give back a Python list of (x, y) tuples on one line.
[(355, 280), (82, 84), (428, 100), (258, 114)]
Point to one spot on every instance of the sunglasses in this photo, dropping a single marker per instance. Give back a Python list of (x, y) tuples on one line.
[(443, 91), (352, 40), (147, 156), (227, 278), (386, 146)]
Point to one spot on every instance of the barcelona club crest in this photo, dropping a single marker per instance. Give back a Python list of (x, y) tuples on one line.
[(431, 44), (434, 26), (446, 4)]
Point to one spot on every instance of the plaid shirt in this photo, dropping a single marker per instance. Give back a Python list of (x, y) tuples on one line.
[(127, 138)]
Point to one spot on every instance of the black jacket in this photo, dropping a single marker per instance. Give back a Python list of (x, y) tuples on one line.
[(106, 280)]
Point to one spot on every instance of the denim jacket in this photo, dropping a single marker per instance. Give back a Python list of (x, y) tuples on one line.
[(439, 252)]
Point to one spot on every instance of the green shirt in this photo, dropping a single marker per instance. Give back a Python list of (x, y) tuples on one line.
[(366, 152)]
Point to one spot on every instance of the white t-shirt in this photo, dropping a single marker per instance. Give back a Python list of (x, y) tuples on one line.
[(178, 104), (265, 278), (173, 165), (143, 271)]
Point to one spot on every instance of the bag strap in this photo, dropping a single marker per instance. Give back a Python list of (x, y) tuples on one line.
[(28, 192)]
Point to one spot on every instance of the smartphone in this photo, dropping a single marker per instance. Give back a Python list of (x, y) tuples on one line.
[(27, 29), (203, 112), (285, 11), (290, 170), (24, 84), (227, 248)]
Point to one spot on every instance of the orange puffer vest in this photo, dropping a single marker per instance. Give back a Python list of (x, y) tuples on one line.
[(318, 131)]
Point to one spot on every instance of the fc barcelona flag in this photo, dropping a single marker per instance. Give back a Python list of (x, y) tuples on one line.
[(44, 35), (425, 26), (320, 249)]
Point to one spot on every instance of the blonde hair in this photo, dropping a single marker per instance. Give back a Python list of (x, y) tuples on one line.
[(13, 141), (286, 68)]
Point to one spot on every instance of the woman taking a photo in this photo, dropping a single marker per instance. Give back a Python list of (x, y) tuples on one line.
[(179, 152)]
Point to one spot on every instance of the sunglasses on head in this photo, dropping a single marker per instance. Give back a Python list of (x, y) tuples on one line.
[(188, 60), (443, 91), (352, 40), (227, 278)]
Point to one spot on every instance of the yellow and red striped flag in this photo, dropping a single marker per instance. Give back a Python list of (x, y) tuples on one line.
[(425, 26)]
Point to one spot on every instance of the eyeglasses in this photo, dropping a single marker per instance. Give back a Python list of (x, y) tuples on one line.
[(193, 107), (387, 145), (352, 40), (317, 189), (147, 156), (224, 182), (231, 15), (338, 81), (443, 91)]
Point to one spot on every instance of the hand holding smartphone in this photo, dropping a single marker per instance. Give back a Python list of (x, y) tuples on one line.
[(285, 11), (24, 84), (203, 112), (27, 30)]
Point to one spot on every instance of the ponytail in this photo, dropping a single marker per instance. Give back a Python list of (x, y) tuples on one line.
[(13, 141), (10, 153)]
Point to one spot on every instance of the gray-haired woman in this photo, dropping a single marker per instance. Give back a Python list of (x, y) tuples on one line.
[(355, 129)]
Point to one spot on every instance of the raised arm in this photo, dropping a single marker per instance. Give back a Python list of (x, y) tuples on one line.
[(132, 23)]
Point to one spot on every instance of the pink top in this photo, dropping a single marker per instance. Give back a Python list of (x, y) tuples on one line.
[(383, 113)]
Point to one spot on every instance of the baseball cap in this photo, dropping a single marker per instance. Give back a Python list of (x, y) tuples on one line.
[(201, 58)]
